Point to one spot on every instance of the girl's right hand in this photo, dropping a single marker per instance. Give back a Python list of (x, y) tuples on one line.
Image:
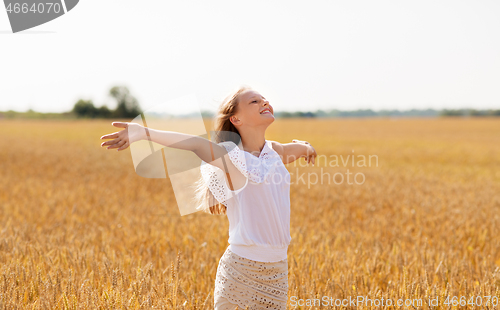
[(122, 139)]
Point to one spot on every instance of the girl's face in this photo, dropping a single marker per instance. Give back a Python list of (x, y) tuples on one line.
[(253, 110)]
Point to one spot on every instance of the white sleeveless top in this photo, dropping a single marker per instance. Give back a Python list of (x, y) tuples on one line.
[(259, 212)]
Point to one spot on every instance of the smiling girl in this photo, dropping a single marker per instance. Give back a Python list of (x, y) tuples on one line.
[(254, 194)]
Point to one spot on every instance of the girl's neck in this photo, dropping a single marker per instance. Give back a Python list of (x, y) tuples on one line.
[(253, 141)]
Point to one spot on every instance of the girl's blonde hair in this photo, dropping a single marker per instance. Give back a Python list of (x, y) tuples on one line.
[(224, 131)]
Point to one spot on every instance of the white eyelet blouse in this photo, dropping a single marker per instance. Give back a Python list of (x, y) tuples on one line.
[(259, 212)]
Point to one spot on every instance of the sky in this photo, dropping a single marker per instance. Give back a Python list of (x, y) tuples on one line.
[(301, 56)]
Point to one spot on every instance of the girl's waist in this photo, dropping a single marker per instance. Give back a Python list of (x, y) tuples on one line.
[(260, 253)]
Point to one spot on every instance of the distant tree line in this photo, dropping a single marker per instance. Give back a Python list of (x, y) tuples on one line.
[(381, 113), (127, 106), (408, 113), (470, 112)]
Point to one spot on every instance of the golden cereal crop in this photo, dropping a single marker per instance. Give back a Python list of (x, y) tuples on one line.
[(81, 230)]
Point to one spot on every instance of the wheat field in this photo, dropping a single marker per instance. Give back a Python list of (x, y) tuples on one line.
[(79, 229)]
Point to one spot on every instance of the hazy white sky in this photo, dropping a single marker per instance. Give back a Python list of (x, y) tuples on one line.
[(299, 55)]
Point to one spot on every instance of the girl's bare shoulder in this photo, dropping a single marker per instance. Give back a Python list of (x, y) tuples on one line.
[(278, 147)]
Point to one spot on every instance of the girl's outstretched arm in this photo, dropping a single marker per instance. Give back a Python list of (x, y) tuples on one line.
[(205, 149), (290, 152)]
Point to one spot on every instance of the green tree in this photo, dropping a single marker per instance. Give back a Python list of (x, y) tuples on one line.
[(104, 112), (85, 108), (127, 106)]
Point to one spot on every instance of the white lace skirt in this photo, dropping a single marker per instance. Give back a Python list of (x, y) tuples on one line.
[(244, 282)]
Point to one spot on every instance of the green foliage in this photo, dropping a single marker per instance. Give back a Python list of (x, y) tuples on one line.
[(30, 114), (359, 113), (127, 106), (84, 109), (294, 114), (470, 112)]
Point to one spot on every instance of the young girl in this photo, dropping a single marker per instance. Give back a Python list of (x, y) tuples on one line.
[(255, 195)]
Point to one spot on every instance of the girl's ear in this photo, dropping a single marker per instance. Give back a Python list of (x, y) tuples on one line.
[(233, 119)]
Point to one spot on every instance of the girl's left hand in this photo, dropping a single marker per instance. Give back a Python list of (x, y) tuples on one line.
[(311, 153)]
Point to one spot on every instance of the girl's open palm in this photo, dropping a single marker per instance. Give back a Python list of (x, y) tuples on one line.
[(122, 139)]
